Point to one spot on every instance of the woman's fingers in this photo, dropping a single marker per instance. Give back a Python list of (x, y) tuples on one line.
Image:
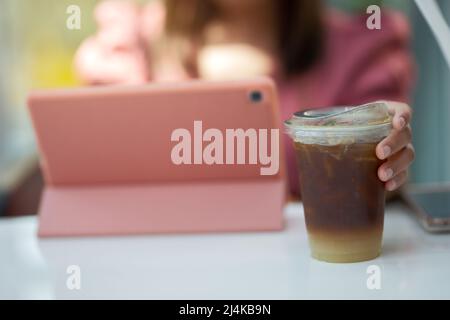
[(98, 64), (396, 147), (397, 140), (397, 181), (401, 113), (396, 164)]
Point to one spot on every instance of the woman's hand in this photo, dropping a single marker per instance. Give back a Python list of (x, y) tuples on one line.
[(396, 148), (115, 54)]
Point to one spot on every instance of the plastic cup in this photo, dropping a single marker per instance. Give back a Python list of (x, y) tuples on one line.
[(343, 198)]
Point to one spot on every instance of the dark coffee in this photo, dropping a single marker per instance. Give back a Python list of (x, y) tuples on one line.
[(343, 200), (342, 196)]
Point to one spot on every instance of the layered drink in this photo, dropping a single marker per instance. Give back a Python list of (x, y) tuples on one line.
[(342, 196)]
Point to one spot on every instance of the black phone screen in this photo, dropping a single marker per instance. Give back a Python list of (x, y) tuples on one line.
[(435, 204), (431, 204)]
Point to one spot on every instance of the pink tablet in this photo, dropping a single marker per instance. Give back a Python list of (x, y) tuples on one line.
[(187, 157)]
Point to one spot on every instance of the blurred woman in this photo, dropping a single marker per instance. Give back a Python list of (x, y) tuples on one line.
[(318, 57)]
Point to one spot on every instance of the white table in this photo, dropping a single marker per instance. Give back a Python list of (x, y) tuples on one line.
[(270, 265)]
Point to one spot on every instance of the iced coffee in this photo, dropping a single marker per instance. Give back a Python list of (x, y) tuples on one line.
[(342, 196)]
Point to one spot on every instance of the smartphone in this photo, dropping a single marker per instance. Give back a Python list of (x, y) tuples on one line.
[(431, 204)]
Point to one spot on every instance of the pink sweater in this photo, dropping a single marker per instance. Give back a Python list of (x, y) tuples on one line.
[(358, 65)]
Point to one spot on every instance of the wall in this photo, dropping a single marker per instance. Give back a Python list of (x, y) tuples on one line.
[(431, 104)]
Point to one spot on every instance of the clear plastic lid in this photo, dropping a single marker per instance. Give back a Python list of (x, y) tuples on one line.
[(338, 125)]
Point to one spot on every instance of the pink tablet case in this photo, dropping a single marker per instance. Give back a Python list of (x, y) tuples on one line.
[(106, 157)]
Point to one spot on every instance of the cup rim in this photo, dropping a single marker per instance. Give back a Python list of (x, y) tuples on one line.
[(322, 114)]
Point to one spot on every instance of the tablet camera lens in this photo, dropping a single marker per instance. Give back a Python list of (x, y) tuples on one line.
[(256, 96)]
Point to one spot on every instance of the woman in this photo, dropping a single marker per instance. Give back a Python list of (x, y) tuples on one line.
[(317, 57)]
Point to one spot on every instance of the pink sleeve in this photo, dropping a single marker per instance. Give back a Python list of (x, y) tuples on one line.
[(379, 62)]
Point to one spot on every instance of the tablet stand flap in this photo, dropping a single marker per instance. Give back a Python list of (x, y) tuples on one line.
[(162, 208)]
